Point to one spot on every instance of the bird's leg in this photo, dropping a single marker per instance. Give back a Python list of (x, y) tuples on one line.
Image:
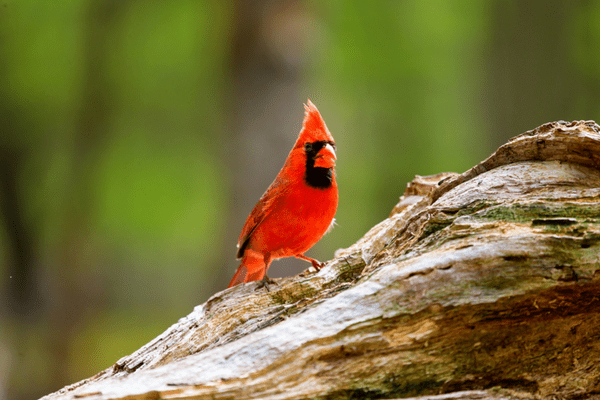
[(265, 282), (318, 265)]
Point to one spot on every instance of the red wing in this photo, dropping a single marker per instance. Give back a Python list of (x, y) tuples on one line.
[(258, 214)]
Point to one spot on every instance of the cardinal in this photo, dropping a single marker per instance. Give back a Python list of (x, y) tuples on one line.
[(297, 209)]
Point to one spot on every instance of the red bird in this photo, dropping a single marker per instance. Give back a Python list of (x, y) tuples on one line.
[(297, 209)]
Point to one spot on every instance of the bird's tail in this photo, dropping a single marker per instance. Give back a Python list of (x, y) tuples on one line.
[(252, 268)]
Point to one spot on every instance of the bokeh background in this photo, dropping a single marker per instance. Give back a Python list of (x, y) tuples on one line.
[(136, 136)]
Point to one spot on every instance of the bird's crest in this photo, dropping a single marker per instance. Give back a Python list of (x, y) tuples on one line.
[(313, 127)]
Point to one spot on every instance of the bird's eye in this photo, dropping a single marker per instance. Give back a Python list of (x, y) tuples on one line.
[(308, 147)]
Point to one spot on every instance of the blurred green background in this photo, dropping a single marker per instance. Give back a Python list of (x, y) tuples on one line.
[(136, 136)]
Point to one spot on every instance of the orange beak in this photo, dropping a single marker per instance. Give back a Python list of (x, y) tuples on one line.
[(326, 157)]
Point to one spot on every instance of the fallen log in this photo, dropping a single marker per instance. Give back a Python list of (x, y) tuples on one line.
[(481, 285)]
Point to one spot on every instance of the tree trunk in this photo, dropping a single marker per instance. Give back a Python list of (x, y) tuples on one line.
[(481, 285)]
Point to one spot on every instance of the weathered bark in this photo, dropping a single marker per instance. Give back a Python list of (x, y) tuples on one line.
[(485, 282)]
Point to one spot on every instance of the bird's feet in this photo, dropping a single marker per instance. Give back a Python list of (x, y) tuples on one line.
[(316, 264), (265, 282)]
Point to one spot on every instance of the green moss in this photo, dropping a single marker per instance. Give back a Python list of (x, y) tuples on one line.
[(475, 207), (522, 213), (434, 227), (294, 294), (552, 217)]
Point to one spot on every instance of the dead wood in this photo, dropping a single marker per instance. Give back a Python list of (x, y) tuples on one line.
[(481, 285)]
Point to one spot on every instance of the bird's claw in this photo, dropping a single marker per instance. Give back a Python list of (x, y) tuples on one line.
[(265, 282), (317, 265)]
